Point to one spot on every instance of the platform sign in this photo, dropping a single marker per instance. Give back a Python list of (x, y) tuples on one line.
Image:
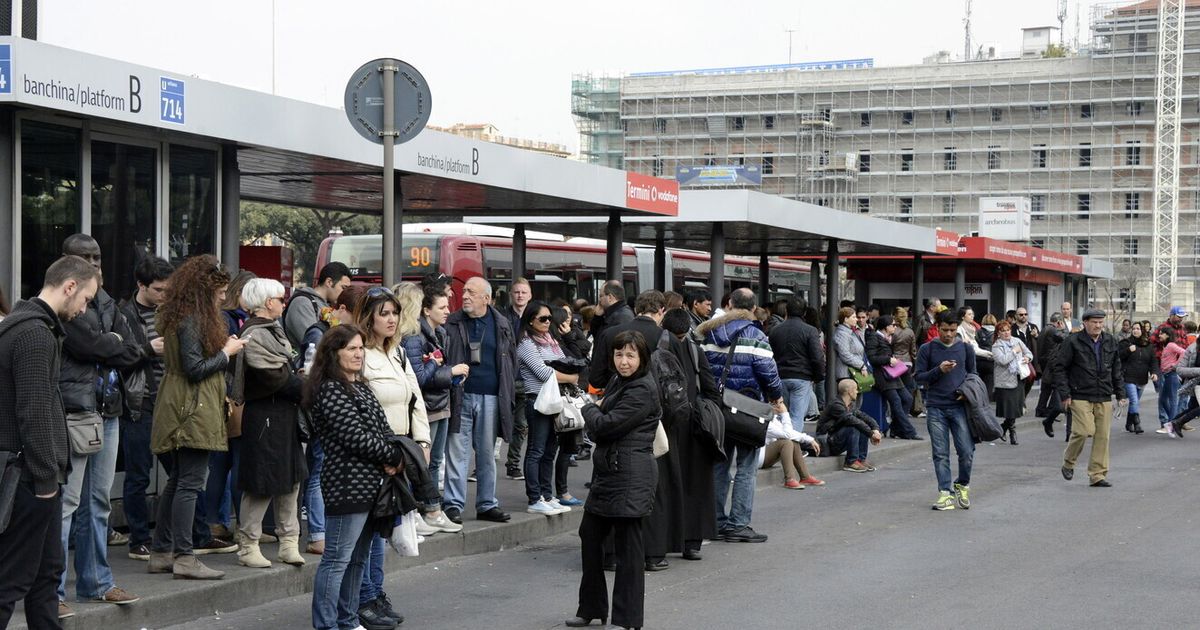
[(171, 100), (6, 69)]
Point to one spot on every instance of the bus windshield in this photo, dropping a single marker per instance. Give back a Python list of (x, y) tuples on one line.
[(363, 254)]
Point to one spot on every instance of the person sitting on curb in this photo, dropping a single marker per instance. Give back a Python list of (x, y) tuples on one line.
[(847, 430), (786, 444)]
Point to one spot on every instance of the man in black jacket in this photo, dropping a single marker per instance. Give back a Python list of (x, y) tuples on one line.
[(481, 407), (797, 348), (1087, 373), (98, 348), (848, 430), (32, 422), (611, 309)]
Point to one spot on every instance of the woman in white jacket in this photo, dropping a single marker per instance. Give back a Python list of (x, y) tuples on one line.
[(392, 380), (784, 445)]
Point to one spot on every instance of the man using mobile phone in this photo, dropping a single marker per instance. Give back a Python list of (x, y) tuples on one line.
[(942, 366)]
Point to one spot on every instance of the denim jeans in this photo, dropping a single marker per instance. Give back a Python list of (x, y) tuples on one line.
[(852, 442), (900, 401), (313, 500), (944, 422), (743, 486), (335, 589), (139, 463), (539, 454), (439, 431), (86, 500), (1134, 393), (221, 495), (477, 431), (1167, 396), (372, 577), (797, 392)]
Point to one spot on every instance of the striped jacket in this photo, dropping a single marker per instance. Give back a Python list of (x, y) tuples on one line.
[(753, 371)]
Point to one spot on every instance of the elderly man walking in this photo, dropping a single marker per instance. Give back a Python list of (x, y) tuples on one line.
[(1087, 374)]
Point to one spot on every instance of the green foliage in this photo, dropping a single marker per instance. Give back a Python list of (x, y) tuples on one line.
[(1054, 51), (302, 229)]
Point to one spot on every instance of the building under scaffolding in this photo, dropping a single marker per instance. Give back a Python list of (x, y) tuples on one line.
[(924, 143)]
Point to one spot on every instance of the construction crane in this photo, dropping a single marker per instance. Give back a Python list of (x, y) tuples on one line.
[(1165, 256)]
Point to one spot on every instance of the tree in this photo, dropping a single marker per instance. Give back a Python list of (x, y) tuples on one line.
[(1054, 51), (302, 229)]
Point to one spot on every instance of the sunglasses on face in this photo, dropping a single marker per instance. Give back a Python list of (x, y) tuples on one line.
[(375, 292), (545, 319)]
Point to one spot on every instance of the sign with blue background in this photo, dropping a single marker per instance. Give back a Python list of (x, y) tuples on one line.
[(171, 103), (6, 69), (718, 175)]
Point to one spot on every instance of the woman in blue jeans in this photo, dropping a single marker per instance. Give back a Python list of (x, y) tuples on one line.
[(1138, 362), (354, 432), (537, 346)]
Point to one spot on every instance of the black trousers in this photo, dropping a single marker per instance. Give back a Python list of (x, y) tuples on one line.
[(629, 587), (32, 557)]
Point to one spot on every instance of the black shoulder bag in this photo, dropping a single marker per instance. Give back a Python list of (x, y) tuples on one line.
[(746, 418)]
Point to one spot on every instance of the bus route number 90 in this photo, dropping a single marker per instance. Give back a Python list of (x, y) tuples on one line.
[(420, 257)]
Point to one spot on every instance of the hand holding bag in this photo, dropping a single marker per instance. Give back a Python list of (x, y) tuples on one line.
[(865, 381), (571, 416), (404, 536), (745, 417), (549, 399)]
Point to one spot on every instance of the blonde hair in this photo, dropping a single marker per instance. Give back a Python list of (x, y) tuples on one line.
[(901, 315), (410, 296)]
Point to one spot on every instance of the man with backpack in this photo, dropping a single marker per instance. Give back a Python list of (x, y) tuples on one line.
[(741, 360), (304, 309)]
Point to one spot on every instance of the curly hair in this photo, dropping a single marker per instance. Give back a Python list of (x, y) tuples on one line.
[(193, 295)]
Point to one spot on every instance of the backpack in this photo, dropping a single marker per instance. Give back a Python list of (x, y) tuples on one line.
[(668, 373)]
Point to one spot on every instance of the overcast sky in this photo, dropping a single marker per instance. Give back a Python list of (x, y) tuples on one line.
[(510, 63)]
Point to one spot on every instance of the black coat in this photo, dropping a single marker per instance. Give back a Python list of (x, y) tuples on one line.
[(1076, 375), (458, 351), (836, 416), (879, 353), (616, 315), (797, 349), (1137, 366), (690, 501), (97, 341), (272, 458), (1051, 339), (624, 474)]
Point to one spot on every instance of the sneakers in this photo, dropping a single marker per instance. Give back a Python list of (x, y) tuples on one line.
[(220, 531), (812, 481), (870, 467), (384, 605), (373, 618), (425, 529), (744, 534), (855, 467), (217, 545), (139, 552), (116, 595), (472, 478), (554, 503), (792, 484), (117, 539), (570, 500), (64, 611), (945, 501), (443, 524), (543, 508), (962, 496), (1163, 430), (515, 474), (454, 514), (1170, 427)]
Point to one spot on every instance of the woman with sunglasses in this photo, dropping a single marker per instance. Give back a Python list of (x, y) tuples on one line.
[(538, 345), (272, 459), (391, 378)]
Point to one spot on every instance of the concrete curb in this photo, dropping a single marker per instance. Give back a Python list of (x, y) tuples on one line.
[(165, 601)]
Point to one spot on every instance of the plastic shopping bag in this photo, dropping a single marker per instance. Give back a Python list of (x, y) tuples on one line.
[(549, 400), (404, 537)]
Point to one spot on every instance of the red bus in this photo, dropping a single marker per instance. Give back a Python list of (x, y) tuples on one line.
[(567, 270)]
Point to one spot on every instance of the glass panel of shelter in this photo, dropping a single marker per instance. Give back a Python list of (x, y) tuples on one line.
[(51, 164)]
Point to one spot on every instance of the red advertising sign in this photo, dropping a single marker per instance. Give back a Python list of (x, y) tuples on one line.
[(651, 194), (1012, 253), (947, 243)]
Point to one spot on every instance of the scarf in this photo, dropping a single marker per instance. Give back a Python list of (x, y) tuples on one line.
[(545, 339), (1018, 350), (268, 348)]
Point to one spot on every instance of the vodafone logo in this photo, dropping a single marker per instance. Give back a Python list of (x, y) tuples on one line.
[(651, 194)]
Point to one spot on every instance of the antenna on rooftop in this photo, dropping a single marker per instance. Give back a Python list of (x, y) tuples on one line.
[(789, 32), (967, 33), (1062, 22)]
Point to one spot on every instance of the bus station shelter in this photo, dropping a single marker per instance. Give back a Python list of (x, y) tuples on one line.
[(150, 161)]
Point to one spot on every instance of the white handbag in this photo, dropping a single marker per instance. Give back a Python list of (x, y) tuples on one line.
[(661, 445), (571, 416)]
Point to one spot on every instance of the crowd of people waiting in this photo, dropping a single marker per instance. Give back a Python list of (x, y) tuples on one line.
[(250, 400)]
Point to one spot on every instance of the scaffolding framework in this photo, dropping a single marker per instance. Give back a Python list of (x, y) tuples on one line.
[(1167, 98)]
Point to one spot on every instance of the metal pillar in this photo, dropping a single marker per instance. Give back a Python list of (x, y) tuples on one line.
[(615, 255), (764, 281), (231, 211), (918, 286), (832, 298), (518, 251), (393, 218), (9, 283), (716, 264), (660, 261), (814, 285), (960, 285)]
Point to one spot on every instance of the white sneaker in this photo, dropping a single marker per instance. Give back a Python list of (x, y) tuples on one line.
[(1164, 430), (425, 529), (443, 524), (541, 507), (562, 509)]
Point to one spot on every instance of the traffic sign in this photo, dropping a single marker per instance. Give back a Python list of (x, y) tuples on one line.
[(364, 100)]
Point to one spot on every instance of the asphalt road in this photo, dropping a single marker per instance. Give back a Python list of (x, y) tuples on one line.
[(1034, 551)]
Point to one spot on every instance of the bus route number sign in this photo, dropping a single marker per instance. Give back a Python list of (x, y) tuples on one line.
[(171, 100), (420, 257)]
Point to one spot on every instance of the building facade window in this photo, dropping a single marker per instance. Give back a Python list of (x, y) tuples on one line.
[(997, 114), (993, 157), (950, 159), (768, 164), (1039, 112), (906, 160), (906, 208), (1039, 156), (864, 205), (656, 167), (1083, 205), (1037, 207), (1133, 205), (906, 118), (739, 123), (660, 125), (951, 115), (1082, 246), (1039, 243), (768, 122), (1085, 111), (1130, 245), (1133, 153), (947, 205), (1085, 155), (864, 162), (1133, 108), (864, 119)]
